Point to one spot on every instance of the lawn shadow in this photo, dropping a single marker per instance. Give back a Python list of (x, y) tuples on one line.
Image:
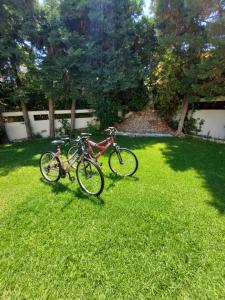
[(16, 158), (21, 154), (59, 187), (208, 159), (115, 179), (27, 153)]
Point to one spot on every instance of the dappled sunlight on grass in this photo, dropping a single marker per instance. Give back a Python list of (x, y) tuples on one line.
[(207, 159)]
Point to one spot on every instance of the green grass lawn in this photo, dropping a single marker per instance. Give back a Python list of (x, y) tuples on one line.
[(157, 235)]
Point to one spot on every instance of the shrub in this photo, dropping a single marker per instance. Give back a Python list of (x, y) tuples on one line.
[(106, 111), (65, 129), (36, 135), (191, 125), (92, 128), (137, 99)]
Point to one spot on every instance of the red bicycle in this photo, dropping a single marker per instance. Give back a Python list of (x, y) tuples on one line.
[(122, 161)]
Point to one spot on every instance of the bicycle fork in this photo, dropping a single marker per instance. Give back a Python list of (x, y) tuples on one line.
[(118, 154), (86, 165)]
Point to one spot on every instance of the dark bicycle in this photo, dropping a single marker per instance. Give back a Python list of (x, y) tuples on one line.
[(88, 173)]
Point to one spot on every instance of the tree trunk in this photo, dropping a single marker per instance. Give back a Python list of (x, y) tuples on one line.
[(3, 135), (51, 118), (26, 119), (73, 108), (182, 117), (23, 104)]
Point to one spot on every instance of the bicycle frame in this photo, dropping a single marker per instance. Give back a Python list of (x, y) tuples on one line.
[(102, 146), (69, 161)]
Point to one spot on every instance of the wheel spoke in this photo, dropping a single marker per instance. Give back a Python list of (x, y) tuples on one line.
[(49, 167), (73, 154), (89, 177), (125, 166)]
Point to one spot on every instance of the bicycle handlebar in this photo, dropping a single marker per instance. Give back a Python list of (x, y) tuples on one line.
[(111, 130), (84, 136)]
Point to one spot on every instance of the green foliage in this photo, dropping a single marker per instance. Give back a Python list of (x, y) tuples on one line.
[(89, 50), (191, 63), (191, 125), (134, 99), (106, 111), (116, 45), (17, 27), (93, 128), (167, 85), (65, 129), (76, 50), (36, 136)]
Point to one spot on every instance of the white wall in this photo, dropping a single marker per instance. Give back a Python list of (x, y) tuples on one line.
[(17, 130), (214, 125)]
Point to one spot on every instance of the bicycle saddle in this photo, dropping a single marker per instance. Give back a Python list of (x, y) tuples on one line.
[(65, 139), (83, 134), (57, 142)]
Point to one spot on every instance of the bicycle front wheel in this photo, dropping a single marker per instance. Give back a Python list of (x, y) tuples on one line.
[(50, 167), (123, 162), (90, 177)]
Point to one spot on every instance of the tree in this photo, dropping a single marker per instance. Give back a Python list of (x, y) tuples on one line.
[(51, 48), (120, 56), (109, 47), (100, 51), (16, 53), (211, 71), (74, 20), (182, 34), (3, 137)]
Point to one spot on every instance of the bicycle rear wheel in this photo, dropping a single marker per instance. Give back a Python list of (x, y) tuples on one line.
[(90, 177), (50, 167), (123, 162)]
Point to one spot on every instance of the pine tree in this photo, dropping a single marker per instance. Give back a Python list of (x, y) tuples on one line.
[(74, 22), (121, 58), (17, 21), (183, 35), (51, 66), (110, 50)]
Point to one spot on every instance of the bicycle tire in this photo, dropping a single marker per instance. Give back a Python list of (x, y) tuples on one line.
[(58, 166), (115, 153), (99, 171)]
